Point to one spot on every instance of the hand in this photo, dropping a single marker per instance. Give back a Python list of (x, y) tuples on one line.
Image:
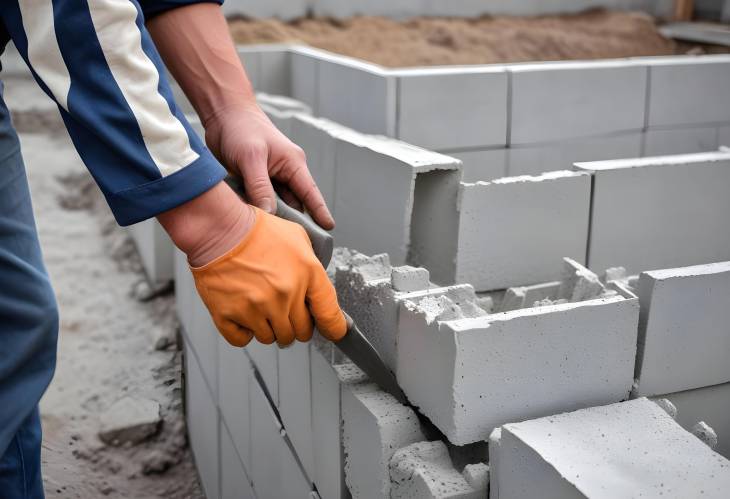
[(248, 144), (257, 274)]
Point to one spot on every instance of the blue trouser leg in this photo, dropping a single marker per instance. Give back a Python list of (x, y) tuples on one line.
[(28, 325), (20, 467)]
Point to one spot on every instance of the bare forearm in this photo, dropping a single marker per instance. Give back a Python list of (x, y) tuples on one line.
[(196, 46)]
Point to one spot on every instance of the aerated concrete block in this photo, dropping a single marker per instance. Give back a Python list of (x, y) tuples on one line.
[(184, 289), (203, 424), (295, 400), (376, 181), (304, 76), (155, 250), (485, 165), (536, 159), (567, 100), (235, 483), (425, 470), (710, 404), (513, 230), (630, 449), (661, 212), (268, 67), (470, 374), (684, 340), (356, 94), (283, 103), (723, 136), (266, 360), (453, 108), (688, 90), (328, 382), (275, 472), (234, 377), (375, 425), (679, 141)]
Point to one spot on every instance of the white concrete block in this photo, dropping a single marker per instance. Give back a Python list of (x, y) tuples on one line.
[(275, 471), (266, 360), (471, 374), (202, 336), (234, 377), (688, 90), (477, 475), (484, 165), (630, 449), (235, 483), (566, 100), (453, 108), (710, 404), (661, 212), (315, 136), (283, 103), (304, 77), (375, 184), (203, 424), (678, 141), (344, 85), (513, 230), (536, 159), (184, 289), (295, 400), (425, 470), (408, 279), (155, 250), (374, 426), (281, 119), (268, 67), (684, 341)]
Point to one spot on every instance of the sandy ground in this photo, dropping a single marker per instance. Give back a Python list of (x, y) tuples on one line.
[(106, 346), (595, 34)]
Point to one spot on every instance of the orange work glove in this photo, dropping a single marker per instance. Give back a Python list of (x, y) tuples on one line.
[(267, 285)]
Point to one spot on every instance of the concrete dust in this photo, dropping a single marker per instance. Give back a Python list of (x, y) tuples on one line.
[(106, 345), (424, 41)]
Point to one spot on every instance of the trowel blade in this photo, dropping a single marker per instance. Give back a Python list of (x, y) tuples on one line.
[(357, 347)]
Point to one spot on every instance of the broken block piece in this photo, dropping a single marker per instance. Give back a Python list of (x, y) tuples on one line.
[(407, 278), (472, 373), (683, 335), (705, 433), (578, 283), (130, 420), (424, 470), (477, 475), (375, 425), (628, 449)]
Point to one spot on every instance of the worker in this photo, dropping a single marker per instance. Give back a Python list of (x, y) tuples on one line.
[(101, 62)]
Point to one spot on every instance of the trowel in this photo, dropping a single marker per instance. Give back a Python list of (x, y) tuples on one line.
[(354, 344)]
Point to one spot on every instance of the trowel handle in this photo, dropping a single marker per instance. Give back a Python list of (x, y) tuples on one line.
[(322, 241)]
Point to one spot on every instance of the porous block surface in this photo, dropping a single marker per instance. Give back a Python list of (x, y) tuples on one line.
[(541, 219), (424, 470), (660, 212), (683, 336), (375, 425), (629, 449), (235, 483), (470, 375), (234, 376), (565, 100), (451, 109)]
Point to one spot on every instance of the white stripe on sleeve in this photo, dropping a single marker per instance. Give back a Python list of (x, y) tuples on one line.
[(44, 55), (137, 77)]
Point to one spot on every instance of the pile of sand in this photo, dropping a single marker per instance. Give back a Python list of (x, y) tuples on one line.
[(595, 34)]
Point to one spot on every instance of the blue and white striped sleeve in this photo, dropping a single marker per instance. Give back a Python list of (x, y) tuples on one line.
[(97, 61)]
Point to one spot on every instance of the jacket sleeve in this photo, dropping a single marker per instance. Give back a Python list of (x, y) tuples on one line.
[(151, 8), (97, 61)]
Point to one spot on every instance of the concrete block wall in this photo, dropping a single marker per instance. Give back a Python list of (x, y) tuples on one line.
[(291, 9), (519, 119), (631, 449), (155, 250), (660, 212)]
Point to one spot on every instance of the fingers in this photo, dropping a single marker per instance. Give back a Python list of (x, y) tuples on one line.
[(283, 330), (256, 180), (322, 302), (297, 178), (288, 196), (234, 334), (301, 321)]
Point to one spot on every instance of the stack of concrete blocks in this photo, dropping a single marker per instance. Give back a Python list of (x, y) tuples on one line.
[(155, 249), (292, 9), (631, 449), (470, 372), (660, 212), (515, 119), (238, 441), (684, 343)]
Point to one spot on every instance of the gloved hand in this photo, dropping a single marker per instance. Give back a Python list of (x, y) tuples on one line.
[(267, 285)]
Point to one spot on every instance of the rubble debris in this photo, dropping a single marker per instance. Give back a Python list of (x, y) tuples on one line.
[(130, 421)]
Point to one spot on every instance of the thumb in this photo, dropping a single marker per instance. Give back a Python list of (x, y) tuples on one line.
[(254, 169)]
